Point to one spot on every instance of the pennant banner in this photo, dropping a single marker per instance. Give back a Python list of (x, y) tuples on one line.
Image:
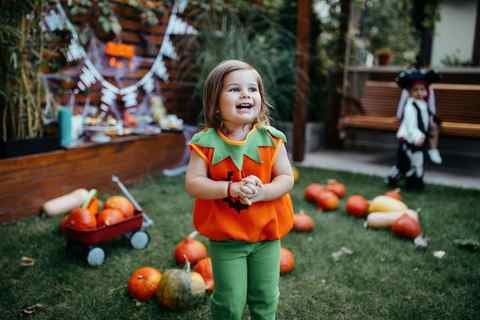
[(89, 74)]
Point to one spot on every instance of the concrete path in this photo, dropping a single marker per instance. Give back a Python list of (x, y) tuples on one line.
[(458, 171)]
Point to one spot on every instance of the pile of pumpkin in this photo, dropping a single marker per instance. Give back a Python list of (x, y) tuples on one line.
[(184, 288), (93, 214), (177, 288), (384, 211)]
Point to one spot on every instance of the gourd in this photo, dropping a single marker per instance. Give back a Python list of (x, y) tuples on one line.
[(181, 289), (357, 206), (303, 222), (204, 268), (386, 204), (189, 249), (336, 187), (406, 227), (121, 203), (287, 261), (380, 220), (143, 283), (327, 200), (94, 205), (65, 203)]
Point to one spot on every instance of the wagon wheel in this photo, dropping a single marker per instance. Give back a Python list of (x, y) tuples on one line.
[(95, 256), (140, 239)]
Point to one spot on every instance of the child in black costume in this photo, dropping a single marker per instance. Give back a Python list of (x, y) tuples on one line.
[(415, 128)]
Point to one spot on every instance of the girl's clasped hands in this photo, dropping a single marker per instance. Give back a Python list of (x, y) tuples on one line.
[(248, 190)]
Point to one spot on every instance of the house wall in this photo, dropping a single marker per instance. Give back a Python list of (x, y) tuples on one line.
[(454, 33)]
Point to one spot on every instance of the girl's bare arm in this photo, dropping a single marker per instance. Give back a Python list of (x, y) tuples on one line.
[(282, 182), (200, 186)]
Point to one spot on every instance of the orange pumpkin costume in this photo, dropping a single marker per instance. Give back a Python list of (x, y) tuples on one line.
[(230, 160)]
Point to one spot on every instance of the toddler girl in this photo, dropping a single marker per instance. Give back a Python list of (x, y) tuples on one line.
[(240, 175)]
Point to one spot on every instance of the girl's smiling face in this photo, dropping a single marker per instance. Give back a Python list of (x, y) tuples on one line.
[(240, 101)]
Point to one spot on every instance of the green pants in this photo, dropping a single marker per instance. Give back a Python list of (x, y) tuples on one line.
[(245, 273)]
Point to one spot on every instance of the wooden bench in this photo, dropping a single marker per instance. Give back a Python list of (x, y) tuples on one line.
[(458, 106)]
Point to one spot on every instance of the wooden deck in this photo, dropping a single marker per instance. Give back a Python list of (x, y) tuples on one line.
[(28, 181)]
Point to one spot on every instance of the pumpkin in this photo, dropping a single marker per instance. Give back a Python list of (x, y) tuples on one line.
[(109, 216), (395, 194), (327, 201), (380, 220), (81, 219), (181, 289), (121, 203), (357, 206), (303, 222), (143, 283), (336, 187), (386, 204), (312, 191), (287, 261), (204, 268), (406, 227), (189, 249)]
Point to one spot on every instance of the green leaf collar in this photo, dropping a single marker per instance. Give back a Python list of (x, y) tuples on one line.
[(257, 137)]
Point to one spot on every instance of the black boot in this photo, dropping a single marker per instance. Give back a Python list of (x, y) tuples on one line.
[(414, 183)]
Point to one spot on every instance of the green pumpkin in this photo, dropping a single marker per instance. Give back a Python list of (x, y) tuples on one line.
[(181, 289)]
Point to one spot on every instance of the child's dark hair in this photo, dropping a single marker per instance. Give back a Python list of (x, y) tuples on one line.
[(212, 89)]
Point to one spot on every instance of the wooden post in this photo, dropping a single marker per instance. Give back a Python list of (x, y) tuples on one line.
[(476, 40), (302, 79), (337, 80)]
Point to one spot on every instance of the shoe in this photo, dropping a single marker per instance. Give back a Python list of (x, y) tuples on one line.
[(414, 183), (435, 156)]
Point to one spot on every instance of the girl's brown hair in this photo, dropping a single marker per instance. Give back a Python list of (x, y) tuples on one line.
[(213, 87)]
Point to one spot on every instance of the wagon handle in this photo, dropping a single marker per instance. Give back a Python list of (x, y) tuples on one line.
[(147, 221)]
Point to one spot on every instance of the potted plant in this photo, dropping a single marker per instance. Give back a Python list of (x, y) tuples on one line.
[(384, 56)]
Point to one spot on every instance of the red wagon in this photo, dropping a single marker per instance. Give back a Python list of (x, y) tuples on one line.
[(88, 242)]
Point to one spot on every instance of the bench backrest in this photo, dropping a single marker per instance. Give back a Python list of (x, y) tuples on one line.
[(454, 102)]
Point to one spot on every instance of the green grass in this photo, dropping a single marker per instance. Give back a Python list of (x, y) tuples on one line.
[(385, 278)]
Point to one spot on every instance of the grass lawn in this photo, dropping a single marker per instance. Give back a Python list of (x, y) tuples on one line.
[(385, 278)]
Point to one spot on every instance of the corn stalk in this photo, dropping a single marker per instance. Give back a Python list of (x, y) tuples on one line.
[(23, 95)]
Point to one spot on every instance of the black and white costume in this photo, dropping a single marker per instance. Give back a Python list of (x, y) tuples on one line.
[(413, 133), (412, 136)]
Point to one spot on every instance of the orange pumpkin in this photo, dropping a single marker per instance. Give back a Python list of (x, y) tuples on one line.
[(327, 201), (109, 216), (303, 222), (287, 260), (143, 283), (406, 227), (121, 203), (395, 194), (357, 206), (81, 219), (336, 187), (189, 249), (312, 191), (204, 268)]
